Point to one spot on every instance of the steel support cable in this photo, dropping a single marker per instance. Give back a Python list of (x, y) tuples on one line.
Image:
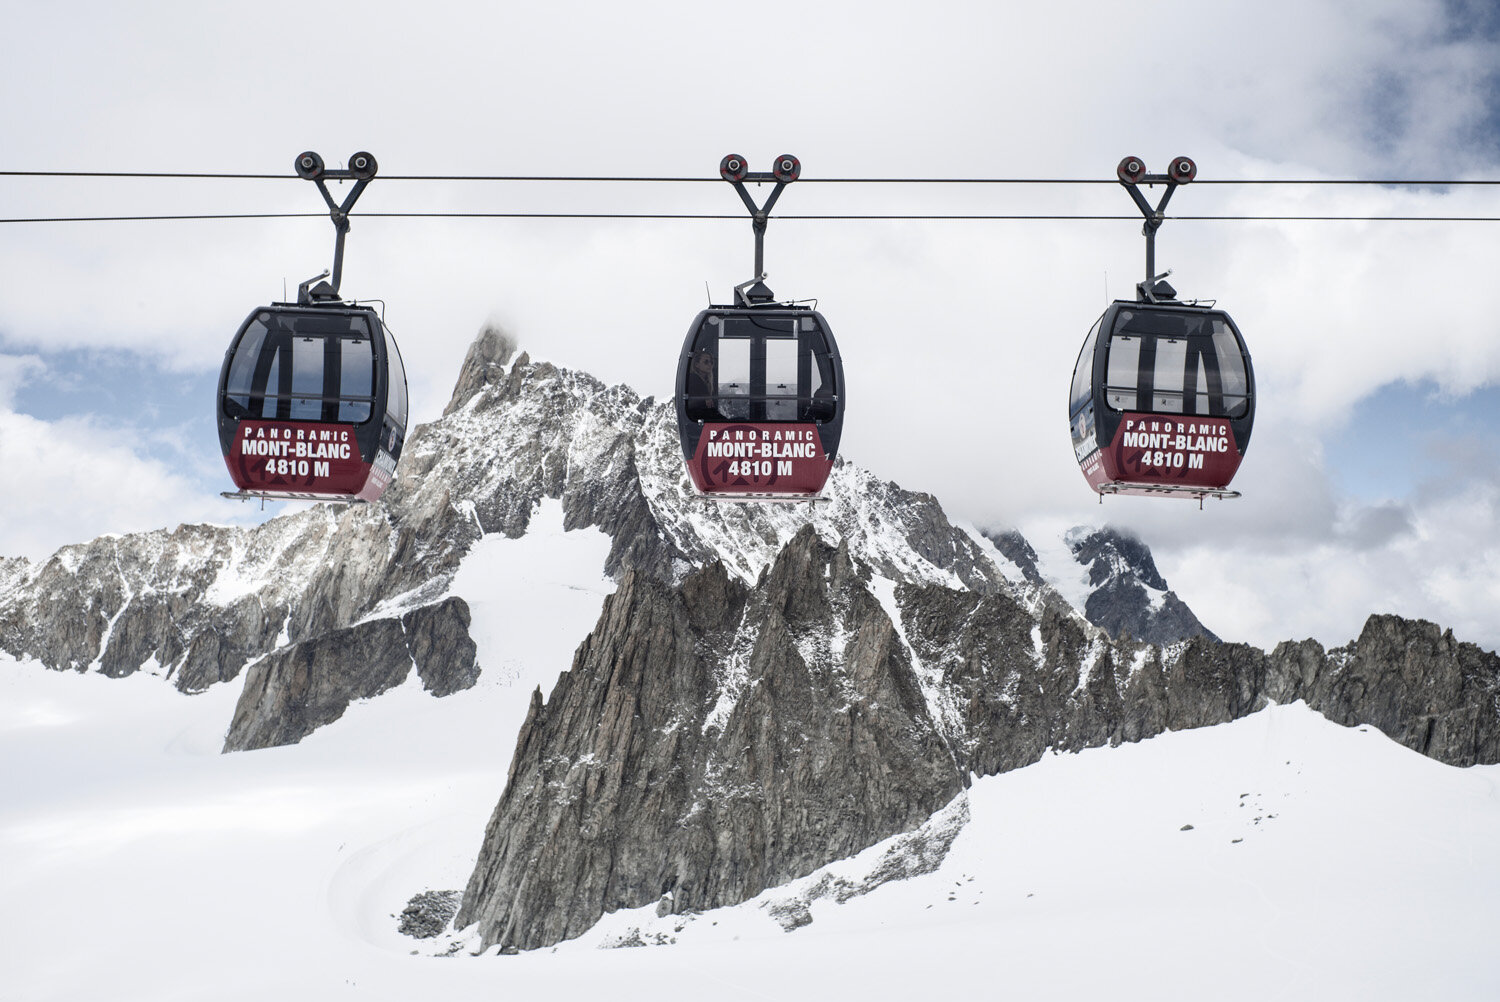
[(1390, 182), (847, 217)]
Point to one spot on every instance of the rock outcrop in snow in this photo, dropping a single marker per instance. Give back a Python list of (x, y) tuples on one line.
[(290, 693)]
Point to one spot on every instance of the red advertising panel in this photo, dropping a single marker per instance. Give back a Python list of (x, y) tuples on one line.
[(752, 459), (301, 457), (1177, 451)]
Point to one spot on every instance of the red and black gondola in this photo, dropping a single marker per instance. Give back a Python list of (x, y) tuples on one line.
[(1163, 394), (1162, 402), (760, 402), (760, 386), (312, 401)]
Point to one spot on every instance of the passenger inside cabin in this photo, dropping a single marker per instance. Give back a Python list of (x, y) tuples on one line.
[(700, 386)]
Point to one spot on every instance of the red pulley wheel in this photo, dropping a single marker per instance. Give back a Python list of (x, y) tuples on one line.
[(1131, 170), (732, 167), (309, 165)]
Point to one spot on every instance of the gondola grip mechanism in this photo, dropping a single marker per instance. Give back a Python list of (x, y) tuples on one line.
[(362, 170), (1132, 173), (734, 170)]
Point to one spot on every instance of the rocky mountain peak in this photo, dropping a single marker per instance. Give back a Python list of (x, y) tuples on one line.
[(484, 364), (710, 741), (1112, 552), (1128, 595)]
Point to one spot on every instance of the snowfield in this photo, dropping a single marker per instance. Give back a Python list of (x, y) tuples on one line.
[(1279, 856)]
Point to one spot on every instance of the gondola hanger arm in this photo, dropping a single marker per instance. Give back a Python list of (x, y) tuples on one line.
[(1132, 173), (735, 170), (362, 169)]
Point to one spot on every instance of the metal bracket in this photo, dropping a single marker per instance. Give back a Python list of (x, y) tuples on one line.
[(362, 169), (1166, 489), (1132, 173), (264, 496), (734, 170)]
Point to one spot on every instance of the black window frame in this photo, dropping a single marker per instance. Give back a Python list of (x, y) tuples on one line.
[(274, 354), (1201, 353), (814, 356)]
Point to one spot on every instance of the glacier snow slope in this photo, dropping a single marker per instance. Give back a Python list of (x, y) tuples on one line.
[(138, 863)]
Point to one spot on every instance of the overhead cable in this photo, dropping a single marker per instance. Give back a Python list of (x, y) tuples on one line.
[(848, 217), (1381, 182)]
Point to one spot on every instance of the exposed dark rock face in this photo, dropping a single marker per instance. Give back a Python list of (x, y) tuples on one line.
[(299, 688), (484, 365), (1018, 551), (1416, 683), (710, 741), (1109, 552), (438, 638), (118, 602)]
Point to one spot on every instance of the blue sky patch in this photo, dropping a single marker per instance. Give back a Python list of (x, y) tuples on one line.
[(1406, 438), (169, 413)]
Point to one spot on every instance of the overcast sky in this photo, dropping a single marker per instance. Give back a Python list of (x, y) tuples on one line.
[(1371, 483)]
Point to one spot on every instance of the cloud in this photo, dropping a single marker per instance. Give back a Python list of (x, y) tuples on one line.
[(1411, 562), (71, 477), (70, 480), (16, 370)]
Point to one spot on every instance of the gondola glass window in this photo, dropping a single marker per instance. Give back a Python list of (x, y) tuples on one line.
[(1083, 372), (781, 379), (763, 369), (1232, 376), (395, 401), (1175, 364), (307, 377), (1124, 368), (304, 368), (734, 377)]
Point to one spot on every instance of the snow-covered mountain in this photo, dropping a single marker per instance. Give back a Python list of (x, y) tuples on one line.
[(765, 689), (1107, 574)]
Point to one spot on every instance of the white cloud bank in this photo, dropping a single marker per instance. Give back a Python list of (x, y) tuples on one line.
[(71, 479)]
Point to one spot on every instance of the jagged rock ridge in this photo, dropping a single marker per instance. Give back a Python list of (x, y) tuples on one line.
[(1127, 593), (1111, 577)]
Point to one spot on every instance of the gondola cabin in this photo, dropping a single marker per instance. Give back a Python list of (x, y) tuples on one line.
[(760, 402), (312, 403), (1162, 401)]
